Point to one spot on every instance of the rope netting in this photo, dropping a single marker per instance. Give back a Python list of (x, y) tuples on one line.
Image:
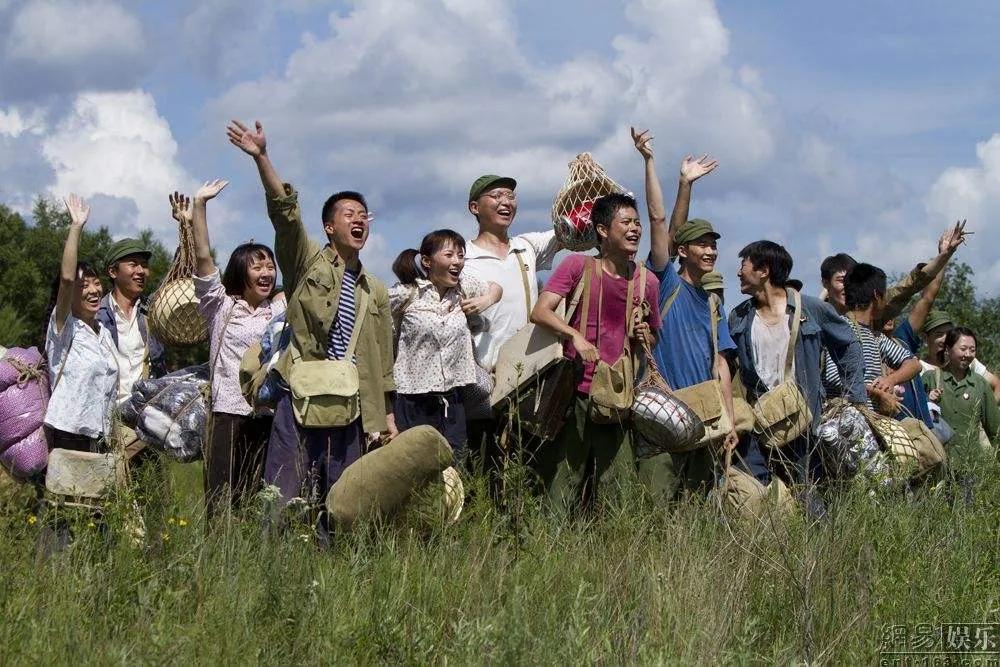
[(173, 311), (587, 181)]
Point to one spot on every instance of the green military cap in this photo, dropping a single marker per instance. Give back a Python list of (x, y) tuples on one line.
[(124, 248), (694, 229), (712, 280), (936, 318), (487, 181)]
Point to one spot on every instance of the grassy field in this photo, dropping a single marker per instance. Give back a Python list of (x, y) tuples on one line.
[(636, 584)]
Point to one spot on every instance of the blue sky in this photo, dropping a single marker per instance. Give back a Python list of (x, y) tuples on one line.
[(861, 127)]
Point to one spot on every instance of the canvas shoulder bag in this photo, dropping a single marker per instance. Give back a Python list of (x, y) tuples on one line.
[(782, 414), (612, 386), (705, 398), (326, 392)]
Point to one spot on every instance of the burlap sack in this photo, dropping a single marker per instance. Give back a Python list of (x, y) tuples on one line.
[(380, 482)]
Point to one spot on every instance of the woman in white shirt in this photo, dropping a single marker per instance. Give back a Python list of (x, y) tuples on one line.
[(83, 371), (237, 304), (434, 357)]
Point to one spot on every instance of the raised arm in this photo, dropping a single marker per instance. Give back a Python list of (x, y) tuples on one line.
[(899, 295), (254, 144), (918, 314), (204, 265), (654, 197), (79, 211), (662, 238)]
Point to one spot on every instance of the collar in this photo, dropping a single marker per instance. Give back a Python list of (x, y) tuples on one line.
[(472, 251), (332, 256)]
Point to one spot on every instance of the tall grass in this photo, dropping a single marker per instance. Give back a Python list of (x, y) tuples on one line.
[(635, 583)]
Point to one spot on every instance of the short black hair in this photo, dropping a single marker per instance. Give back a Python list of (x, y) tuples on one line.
[(773, 257), (236, 277), (862, 285), (956, 333), (834, 264), (336, 197), (605, 207)]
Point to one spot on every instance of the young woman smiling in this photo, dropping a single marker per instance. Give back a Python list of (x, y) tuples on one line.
[(83, 371), (434, 360), (237, 305)]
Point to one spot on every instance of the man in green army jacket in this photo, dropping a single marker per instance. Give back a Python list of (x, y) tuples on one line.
[(328, 291)]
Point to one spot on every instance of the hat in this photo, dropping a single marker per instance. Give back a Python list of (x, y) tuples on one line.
[(712, 280), (124, 248), (487, 181), (936, 318), (694, 229)]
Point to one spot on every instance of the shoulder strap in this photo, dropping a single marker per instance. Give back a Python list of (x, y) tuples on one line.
[(358, 321), (222, 339), (524, 279), (713, 307), (794, 336), (937, 377), (62, 366), (588, 270), (668, 301)]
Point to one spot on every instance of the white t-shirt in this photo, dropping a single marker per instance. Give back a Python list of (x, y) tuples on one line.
[(506, 317), (131, 350), (82, 400), (770, 349)]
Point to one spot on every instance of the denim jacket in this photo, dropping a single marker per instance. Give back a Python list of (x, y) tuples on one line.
[(156, 355), (820, 327)]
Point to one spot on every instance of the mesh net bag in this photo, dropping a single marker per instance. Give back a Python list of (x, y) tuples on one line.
[(663, 422), (587, 181), (173, 310)]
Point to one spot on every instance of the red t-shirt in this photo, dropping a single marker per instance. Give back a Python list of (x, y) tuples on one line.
[(563, 282)]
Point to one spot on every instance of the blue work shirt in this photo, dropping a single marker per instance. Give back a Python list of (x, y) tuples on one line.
[(819, 327), (914, 395), (683, 352)]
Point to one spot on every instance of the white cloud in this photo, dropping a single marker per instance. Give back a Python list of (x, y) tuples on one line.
[(410, 102), (14, 122), (55, 32), (117, 144), (973, 193)]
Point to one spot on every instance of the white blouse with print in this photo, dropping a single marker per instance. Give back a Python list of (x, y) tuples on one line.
[(435, 345)]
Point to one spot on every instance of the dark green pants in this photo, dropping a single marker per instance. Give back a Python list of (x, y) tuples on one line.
[(587, 462), (669, 477)]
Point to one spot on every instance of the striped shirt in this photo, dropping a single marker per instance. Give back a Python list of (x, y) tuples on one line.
[(876, 349), (343, 324)]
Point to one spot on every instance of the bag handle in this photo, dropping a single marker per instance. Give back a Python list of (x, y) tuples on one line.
[(713, 305), (524, 279)]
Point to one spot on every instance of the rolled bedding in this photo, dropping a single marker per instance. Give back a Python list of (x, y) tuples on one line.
[(169, 413)]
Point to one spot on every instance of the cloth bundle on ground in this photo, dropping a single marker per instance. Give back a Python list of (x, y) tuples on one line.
[(170, 413), (380, 482), (745, 498), (24, 396), (849, 446)]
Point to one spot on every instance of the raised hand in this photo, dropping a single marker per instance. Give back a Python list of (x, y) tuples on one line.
[(953, 237), (643, 143), (79, 210), (251, 143), (180, 207), (209, 190), (692, 169)]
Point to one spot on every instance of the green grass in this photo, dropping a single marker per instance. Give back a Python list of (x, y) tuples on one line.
[(637, 584)]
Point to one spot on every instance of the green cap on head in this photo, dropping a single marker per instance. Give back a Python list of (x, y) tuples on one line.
[(125, 247), (487, 181), (712, 280), (694, 229), (936, 318)]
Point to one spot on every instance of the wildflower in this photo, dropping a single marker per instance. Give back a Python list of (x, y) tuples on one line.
[(32, 519), (182, 522), (90, 524), (171, 521), (165, 536)]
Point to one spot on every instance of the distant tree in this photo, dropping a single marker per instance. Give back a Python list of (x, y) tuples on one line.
[(29, 264)]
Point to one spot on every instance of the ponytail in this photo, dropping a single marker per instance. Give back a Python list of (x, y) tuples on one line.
[(405, 267)]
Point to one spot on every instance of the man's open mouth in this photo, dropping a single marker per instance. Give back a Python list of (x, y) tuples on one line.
[(358, 232)]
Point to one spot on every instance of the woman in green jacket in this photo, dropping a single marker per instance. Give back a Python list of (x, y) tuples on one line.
[(965, 398)]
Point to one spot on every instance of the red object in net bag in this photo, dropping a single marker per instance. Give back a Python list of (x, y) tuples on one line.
[(587, 181)]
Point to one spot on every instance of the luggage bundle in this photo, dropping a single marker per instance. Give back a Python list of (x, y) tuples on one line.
[(170, 413), (174, 317), (587, 181), (24, 396)]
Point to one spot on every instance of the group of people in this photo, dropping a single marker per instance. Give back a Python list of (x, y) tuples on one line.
[(423, 351)]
